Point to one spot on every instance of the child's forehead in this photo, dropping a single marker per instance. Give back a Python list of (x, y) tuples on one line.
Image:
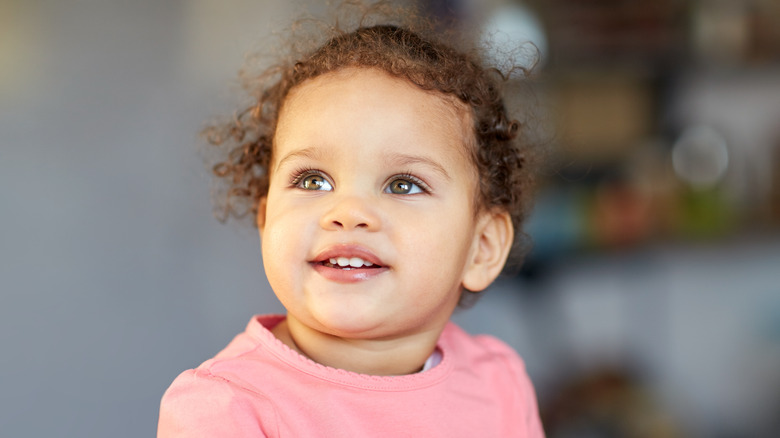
[(372, 76), (328, 89)]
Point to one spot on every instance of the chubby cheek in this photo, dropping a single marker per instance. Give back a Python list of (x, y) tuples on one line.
[(440, 250), (272, 258), (284, 245)]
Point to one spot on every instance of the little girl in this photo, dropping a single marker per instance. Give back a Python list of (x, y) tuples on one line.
[(387, 182)]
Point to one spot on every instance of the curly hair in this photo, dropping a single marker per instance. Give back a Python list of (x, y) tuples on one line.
[(501, 155)]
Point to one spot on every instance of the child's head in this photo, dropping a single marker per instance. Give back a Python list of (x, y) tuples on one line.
[(369, 226), (488, 142)]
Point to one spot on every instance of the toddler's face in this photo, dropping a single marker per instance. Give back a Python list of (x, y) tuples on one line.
[(368, 228)]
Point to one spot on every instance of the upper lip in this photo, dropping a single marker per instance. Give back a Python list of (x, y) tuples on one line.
[(349, 251)]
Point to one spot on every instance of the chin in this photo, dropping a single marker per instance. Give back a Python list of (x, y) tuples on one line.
[(351, 324)]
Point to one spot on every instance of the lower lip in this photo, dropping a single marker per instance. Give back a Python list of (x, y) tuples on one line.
[(353, 275)]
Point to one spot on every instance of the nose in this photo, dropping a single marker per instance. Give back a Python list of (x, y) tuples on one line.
[(351, 213)]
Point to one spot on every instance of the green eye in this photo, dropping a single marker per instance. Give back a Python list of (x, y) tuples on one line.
[(314, 182), (403, 187)]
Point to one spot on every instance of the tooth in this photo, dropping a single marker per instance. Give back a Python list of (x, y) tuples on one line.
[(355, 262), (368, 264), (332, 261), (343, 261)]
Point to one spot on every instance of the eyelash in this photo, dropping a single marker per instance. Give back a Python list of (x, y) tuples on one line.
[(412, 179), (303, 172)]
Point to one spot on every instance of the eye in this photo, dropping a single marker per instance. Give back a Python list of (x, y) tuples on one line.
[(313, 181), (404, 186)]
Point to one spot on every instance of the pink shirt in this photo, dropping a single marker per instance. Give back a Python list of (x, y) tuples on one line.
[(257, 386)]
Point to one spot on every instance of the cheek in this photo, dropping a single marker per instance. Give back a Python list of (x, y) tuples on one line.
[(444, 237), (273, 253), (283, 239), (283, 235)]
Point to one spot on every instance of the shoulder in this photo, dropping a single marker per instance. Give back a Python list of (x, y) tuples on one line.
[(199, 403), (488, 366), (482, 348), (215, 400), (256, 334), (486, 355)]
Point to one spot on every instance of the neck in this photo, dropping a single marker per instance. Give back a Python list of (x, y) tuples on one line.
[(383, 357)]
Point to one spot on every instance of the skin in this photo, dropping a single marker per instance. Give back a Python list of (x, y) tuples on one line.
[(366, 165)]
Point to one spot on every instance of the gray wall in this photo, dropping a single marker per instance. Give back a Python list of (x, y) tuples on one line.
[(114, 274)]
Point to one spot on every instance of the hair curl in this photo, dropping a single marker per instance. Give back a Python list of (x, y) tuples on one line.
[(501, 155)]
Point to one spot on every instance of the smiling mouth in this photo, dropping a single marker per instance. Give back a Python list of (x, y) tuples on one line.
[(348, 263)]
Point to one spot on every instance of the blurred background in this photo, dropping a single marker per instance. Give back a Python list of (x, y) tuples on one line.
[(648, 307)]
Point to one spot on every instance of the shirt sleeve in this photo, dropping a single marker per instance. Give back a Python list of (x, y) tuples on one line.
[(529, 407), (200, 404), (533, 420)]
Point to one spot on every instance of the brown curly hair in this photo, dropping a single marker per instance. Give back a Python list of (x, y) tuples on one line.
[(501, 155)]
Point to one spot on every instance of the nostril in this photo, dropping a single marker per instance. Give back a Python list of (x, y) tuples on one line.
[(350, 215)]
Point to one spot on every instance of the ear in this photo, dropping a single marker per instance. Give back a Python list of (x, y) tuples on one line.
[(261, 209), (490, 249)]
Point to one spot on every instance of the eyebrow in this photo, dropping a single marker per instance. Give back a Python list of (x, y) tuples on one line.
[(403, 160), (392, 158), (311, 153)]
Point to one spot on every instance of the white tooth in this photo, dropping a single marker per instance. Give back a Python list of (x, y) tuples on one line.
[(355, 262), (343, 261), (367, 264), (332, 261)]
